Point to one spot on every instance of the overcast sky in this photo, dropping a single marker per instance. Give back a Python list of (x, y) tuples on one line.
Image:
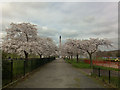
[(80, 20)]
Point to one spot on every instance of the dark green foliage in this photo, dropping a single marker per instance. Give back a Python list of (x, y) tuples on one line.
[(6, 72), (20, 67)]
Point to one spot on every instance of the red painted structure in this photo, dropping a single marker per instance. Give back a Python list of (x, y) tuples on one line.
[(103, 63)]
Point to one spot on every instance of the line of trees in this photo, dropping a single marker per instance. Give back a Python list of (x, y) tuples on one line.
[(74, 47), (23, 39)]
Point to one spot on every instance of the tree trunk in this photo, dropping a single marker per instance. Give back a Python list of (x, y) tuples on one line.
[(77, 58), (26, 55), (67, 57), (71, 57), (26, 58), (90, 56), (40, 55), (48, 56)]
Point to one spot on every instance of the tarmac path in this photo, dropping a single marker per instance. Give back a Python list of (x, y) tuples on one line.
[(58, 74)]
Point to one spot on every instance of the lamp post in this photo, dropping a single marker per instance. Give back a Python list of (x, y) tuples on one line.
[(60, 47)]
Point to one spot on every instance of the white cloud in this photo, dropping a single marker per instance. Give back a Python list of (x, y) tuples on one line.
[(70, 20)]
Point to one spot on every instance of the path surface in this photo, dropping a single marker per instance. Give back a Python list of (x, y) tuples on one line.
[(58, 74)]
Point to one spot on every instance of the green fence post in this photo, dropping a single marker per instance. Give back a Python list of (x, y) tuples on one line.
[(93, 70), (24, 66), (119, 76), (109, 76), (99, 72), (31, 64), (11, 70)]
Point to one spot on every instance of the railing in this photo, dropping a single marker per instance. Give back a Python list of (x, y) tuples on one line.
[(109, 76), (15, 69)]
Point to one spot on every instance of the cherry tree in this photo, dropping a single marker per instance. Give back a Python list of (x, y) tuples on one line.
[(91, 46), (67, 48), (45, 47), (71, 48), (50, 48), (40, 46), (21, 38), (87, 46)]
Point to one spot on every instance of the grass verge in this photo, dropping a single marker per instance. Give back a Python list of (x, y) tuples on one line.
[(105, 79), (113, 82), (80, 64)]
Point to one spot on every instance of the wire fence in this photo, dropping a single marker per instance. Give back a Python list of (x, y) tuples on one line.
[(109, 76), (14, 69)]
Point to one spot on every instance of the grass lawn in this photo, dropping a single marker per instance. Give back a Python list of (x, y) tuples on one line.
[(80, 64), (18, 68), (107, 68), (113, 80)]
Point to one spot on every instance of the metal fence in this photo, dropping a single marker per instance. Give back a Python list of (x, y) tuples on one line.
[(14, 69), (109, 76)]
